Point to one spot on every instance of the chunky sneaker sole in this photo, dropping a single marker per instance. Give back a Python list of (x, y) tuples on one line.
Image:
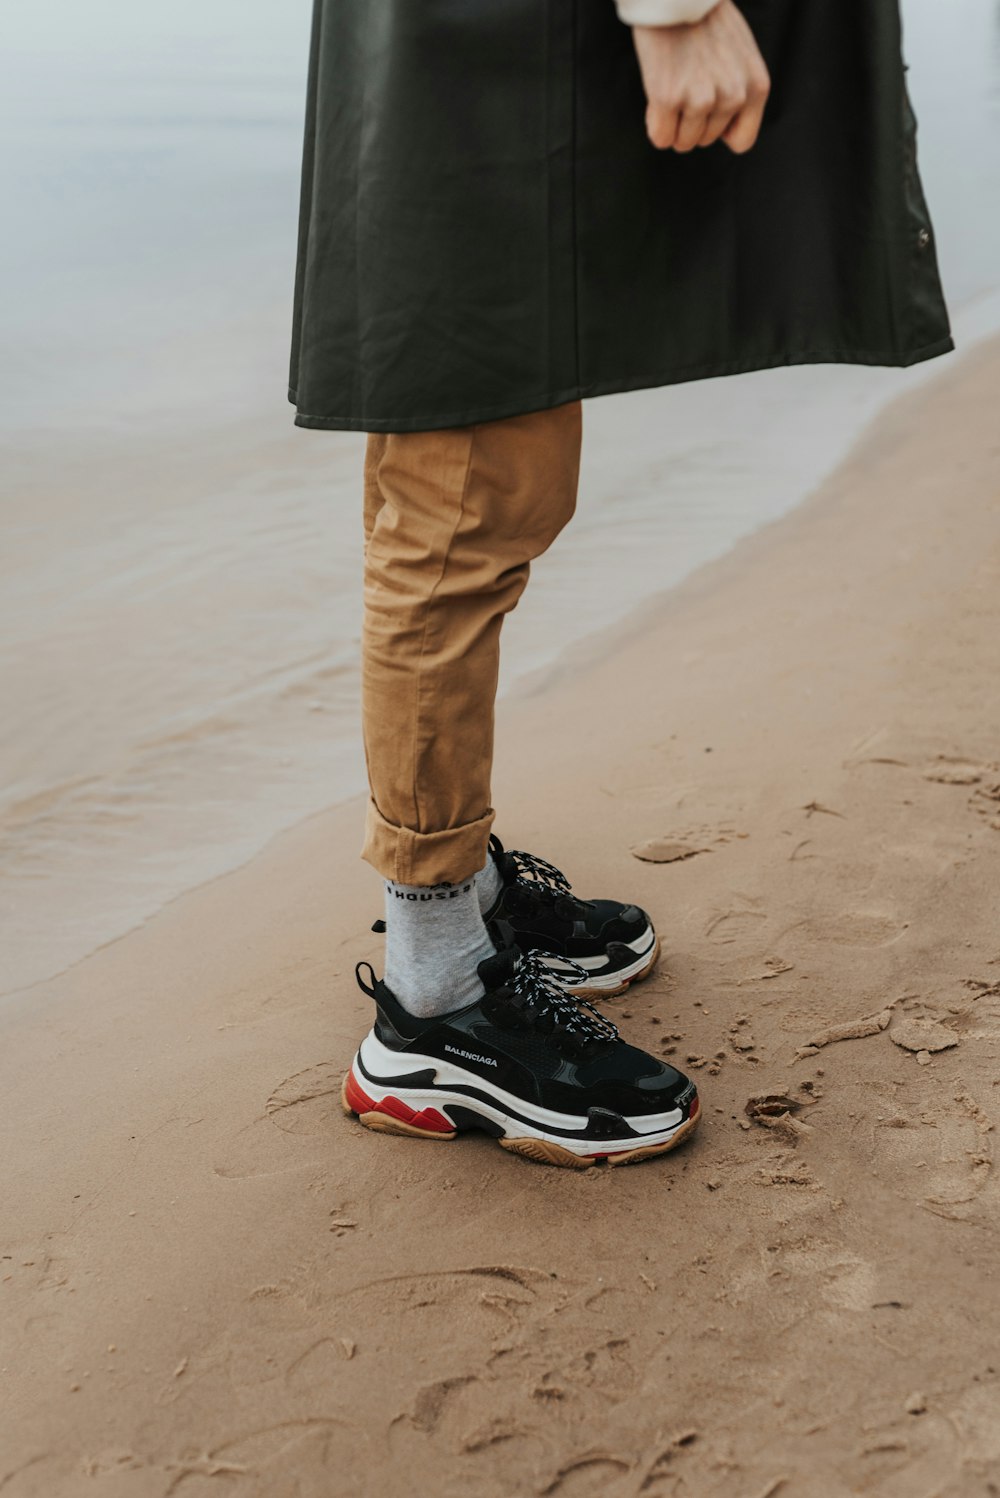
[(422, 1097), (615, 970), (536, 910)]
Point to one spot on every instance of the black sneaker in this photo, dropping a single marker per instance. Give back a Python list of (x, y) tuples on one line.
[(546, 1075), (614, 943)]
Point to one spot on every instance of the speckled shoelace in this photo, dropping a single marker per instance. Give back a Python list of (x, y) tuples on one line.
[(544, 995), (537, 873)]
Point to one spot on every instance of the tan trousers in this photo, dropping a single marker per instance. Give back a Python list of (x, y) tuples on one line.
[(452, 521)]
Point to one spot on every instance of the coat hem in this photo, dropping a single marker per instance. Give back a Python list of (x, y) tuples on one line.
[(542, 402)]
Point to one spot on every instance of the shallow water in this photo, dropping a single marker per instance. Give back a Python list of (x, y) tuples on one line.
[(179, 577)]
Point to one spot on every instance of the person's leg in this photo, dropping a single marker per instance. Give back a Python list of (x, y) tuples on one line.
[(374, 452), (453, 519)]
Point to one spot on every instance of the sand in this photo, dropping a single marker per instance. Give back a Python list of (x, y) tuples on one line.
[(213, 1283)]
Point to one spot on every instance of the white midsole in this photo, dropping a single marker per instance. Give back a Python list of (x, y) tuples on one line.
[(643, 946), (500, 1106)]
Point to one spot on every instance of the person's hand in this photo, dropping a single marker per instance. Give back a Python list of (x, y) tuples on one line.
[(704, 82)]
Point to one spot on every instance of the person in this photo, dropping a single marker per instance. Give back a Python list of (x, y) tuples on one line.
[(507, 208)]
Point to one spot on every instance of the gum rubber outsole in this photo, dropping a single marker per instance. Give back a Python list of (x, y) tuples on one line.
[(546, 1152), (616, 993), (543, 1151)]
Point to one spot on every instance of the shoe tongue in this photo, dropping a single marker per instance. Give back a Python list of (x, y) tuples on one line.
[(498, 970)]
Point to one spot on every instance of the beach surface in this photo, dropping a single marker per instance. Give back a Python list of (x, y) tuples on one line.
[(215, 1283)]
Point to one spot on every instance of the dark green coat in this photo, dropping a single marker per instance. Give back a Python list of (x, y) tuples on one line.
[(485, 229)]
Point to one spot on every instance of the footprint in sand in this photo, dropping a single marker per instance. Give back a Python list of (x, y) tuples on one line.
[(845, 1281), (852, 928), (309, 1101), (788, 1276), (736, 923), (941, 1157), (306, 1104), (487, 1307), (492, 1360)]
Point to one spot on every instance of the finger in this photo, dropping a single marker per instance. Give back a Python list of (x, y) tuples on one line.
[(716, 126), (661, 126), (691, 128), (744, 130)]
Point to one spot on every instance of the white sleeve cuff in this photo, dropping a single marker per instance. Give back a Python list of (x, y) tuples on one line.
[(663, 12)]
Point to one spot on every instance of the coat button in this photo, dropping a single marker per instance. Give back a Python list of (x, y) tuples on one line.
[(923, 239)]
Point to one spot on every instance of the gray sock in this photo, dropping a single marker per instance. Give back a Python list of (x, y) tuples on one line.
[(435, 940), (489, 883)]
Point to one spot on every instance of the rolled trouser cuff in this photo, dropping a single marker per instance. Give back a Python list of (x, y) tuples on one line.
[(426, 858)]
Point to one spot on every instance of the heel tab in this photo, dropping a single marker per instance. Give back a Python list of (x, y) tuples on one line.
[(368, 988)]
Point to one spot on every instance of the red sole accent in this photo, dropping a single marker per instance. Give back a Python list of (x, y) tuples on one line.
[(359, 1101), (394, 1107), (435, 1122)]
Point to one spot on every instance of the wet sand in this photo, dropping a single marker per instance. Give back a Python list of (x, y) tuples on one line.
[(215, 1283)]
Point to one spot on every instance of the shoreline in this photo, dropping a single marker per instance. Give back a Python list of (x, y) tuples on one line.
[(184, 761), (214, 1280)]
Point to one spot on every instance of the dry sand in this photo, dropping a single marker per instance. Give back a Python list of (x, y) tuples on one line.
[(214, 1284)]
